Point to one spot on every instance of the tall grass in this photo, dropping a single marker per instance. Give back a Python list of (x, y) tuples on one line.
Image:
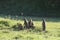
[(52, 29)]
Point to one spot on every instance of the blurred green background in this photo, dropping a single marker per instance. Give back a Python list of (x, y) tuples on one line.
[(40, 8)]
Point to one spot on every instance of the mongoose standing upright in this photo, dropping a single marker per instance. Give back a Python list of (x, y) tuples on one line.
[(31, 25), (43, 25), (26, 25)]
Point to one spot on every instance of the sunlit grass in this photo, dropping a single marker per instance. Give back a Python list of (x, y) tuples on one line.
[(52, 30)]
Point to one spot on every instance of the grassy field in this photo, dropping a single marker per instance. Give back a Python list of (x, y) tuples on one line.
[(52, 29)]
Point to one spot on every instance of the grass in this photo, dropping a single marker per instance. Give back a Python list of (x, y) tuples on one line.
[(52, 30)]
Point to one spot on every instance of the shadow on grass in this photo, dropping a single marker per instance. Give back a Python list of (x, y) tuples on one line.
[(5, 31), (29, 38)]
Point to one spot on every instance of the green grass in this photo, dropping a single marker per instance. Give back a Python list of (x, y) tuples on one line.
[(52, 30)]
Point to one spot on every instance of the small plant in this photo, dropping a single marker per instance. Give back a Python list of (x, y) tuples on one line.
[(6, 23), (15, 26)]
